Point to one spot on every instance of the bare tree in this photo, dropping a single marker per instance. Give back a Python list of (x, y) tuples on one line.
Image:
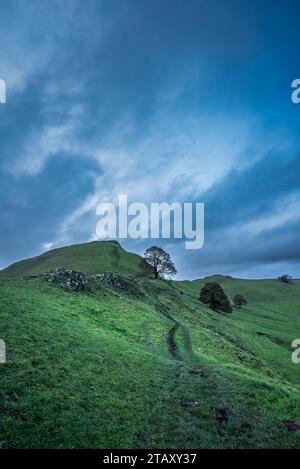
[(159, 261)]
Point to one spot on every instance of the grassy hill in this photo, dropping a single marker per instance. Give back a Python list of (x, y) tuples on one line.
[(94, 257), (110, 369)]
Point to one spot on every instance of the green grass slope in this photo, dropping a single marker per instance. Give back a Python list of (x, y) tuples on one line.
[(94, 257), (98, 370)]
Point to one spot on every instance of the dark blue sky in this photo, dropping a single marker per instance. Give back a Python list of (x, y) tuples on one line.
[(163, 100)]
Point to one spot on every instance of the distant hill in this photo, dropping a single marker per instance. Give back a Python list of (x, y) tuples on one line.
[(94, 257)]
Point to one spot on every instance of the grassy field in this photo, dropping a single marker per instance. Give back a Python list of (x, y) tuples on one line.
[(96, 370)]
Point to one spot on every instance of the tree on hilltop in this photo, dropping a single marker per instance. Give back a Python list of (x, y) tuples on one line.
[(159, 261)]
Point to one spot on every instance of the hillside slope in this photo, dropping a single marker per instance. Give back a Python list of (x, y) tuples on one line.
[(94, 257), (108, 368)]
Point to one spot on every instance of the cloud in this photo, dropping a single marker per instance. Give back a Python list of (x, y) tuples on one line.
[(252, 220), (107, 98), (33, 209), (254, 190)]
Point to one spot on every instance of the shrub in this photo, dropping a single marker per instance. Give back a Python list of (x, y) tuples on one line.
[(285, 278), (213, 295), (239, 301)]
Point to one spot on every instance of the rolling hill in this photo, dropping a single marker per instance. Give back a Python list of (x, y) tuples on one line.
[(94, 257), (111, 369)]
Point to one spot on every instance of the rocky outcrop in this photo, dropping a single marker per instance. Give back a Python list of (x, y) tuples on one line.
[(293, 425), (125, 283), (71, 279), (78, 281)]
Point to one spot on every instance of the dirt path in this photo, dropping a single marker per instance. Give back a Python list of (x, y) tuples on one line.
[(173, 349), (171, 341)]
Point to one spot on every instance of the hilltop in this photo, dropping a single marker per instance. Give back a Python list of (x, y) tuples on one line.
[(149, 367), (93, 257)]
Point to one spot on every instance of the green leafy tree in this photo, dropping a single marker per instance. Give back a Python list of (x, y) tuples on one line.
[(239, 301), (213, 295), (285, 278), (159, 262)]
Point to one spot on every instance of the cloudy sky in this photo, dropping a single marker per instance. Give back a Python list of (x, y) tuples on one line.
[(163, 100)]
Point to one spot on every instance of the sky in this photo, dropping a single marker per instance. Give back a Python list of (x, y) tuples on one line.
[(161, 100)]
